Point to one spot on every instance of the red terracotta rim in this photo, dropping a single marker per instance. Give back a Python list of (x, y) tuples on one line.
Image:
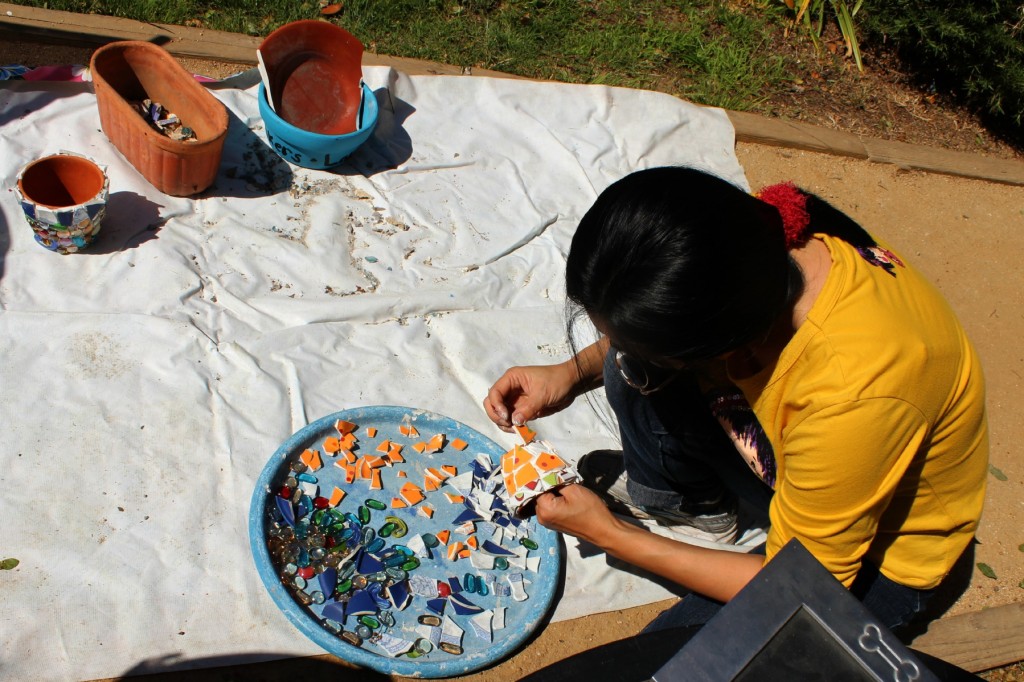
[(61, 181)]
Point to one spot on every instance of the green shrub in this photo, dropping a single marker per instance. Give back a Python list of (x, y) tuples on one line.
[(976, 48)]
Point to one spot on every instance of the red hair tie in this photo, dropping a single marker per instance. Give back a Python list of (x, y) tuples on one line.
[(791, 203)]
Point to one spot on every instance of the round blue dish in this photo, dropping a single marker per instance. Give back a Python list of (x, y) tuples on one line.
[(521, 618), (316, 150)]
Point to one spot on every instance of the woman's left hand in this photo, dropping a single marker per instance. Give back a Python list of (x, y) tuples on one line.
[(577, 511)]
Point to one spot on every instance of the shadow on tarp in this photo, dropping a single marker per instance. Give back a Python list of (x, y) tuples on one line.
[(262, 667), (249, 168), (131, 220), (5, 243), (390, 145), (44, 94)]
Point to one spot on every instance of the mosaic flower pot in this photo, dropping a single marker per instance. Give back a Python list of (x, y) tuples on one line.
[(127, 72), (64, 198)]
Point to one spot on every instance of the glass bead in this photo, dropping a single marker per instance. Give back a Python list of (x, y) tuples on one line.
[(396, 574), (378, 577), (387, 618), (386, 530), (360, 582), (427, 619), (375, 504), (298, 467), (369, 535), (412, 653), (344, 587), (528, 543), (291, 482), (364, 631), (317, 553), (305, 506), (291, 569), (401, 528), (302, 528), (318, 597), (501, 563), (375, 546), (307, 477), (348, 571), (296, 495), (422, 646), (353, 519), (403, 549), (299, 582), (370, 622), (444, 590), (306, 572), (352, 638), (430, 540), (394, 561), (304, 598), (363, 515), (287, 533), (450, 648), (332, 625), (285, 492), (410, 565), (481, 587), (469, 582), (332, 561)]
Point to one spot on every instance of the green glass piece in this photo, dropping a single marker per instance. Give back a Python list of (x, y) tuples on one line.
[(364, 515), (413, 653), (395, 560), (396, 574), (344, 586), (370, 622), (375, 504), (430, 540), (386, 530), (501, 563), (528, 543), (400, 526), (411, 565)]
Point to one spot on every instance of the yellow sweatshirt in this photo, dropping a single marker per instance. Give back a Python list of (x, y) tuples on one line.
[(876, 412)]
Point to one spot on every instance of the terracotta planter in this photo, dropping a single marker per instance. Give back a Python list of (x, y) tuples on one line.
[(64, 198), (131, 71)]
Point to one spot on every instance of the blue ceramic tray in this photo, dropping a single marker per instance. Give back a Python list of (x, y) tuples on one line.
[(521, 618)]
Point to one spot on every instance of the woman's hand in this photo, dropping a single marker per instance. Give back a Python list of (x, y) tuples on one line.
[(577, 511), (526, 393)]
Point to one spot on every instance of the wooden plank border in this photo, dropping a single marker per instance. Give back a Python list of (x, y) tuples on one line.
[(94, 30)]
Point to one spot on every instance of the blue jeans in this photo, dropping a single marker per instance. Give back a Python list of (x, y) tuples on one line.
[(677, 456)]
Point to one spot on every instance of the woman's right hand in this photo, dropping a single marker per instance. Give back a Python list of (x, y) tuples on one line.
[(526, 393)]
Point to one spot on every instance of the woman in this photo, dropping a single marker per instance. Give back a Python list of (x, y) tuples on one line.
[(851, 400)]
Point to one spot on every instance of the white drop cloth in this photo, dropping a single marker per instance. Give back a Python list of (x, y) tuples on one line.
[(146, 382)]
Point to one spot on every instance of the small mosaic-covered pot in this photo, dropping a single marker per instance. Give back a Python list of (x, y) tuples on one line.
[(64, 198)]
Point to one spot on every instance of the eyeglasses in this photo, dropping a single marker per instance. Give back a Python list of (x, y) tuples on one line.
[(643, 377)]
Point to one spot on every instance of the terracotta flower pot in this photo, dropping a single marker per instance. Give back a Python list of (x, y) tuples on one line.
[(64, 198), (131, 71)]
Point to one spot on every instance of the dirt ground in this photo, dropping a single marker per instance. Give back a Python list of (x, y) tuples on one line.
[(965, 234)]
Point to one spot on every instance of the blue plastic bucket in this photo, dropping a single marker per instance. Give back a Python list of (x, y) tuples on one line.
[(315, 150)]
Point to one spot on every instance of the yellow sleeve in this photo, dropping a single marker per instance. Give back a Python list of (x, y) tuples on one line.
[(840, 468)]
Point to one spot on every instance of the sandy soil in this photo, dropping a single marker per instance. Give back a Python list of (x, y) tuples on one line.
[(965, 234)]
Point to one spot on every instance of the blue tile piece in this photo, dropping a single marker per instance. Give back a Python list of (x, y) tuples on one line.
[(361, 603), (368, 564), (285, 507), (468, 515), (494, 549), (376, 591), (328, 581), (455, 585), (462, 606), (437, 605), (399, 594), (335, 610)]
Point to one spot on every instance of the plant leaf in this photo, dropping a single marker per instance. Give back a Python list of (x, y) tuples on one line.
[(986, 570), (8, 564), (1000, 476)]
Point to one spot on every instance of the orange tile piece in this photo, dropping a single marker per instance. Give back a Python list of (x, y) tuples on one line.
[(435, 443), (364, 468), (526, 433), (547, 461), (419, 447), (443, 536), (344, 427), (525, 474), (375, 482), (472, 542), (430, 484), (454, 550), (375, 462), (436, 473), (336, 497), (398, 503), (395, 455), (510, 484), (508, 462), (464, 554), (400, 474), (311, 458), (427, 511), (384, 446), (459, 444), (411, 494), (349, 456), (350, 473), (455, 499), (370, 432), (348, 441), (450, 470), (331, 445), (408, 430)]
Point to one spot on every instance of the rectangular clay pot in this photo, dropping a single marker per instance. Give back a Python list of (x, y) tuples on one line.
[(130, 71)]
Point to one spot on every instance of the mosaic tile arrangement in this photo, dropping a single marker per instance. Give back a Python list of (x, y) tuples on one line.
[(386, 534)]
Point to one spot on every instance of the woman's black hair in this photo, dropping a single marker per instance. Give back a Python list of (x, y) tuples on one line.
[(684, 265)]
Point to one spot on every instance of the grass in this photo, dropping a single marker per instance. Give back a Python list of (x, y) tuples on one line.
[(705, 51)]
